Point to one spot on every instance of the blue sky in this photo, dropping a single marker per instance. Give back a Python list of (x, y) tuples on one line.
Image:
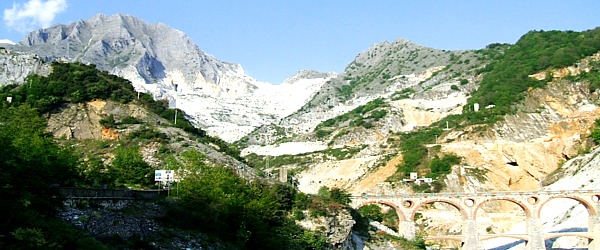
[(273, 40)]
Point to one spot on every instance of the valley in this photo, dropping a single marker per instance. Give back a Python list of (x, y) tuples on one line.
[(494, 119)]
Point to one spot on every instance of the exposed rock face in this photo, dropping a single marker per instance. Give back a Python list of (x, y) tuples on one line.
[(82, 122), (337, 228), (109, 134), (378, 72), (16, 66), (218, 96), (551, 127)]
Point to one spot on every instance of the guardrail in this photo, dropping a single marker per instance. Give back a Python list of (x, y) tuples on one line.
[(115, 194)]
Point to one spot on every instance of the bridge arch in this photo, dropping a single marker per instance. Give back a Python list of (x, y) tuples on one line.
[(457, 239), (449, 202), (575, 234), (588, 206), (523, 206), (512, 236), (582, 239), (399, 212)]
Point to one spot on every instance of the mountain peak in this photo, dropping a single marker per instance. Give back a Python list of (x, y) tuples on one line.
[(218, 96), (308, 74)]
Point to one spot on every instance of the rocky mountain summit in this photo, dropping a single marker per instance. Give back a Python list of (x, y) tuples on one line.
[(218, 96)]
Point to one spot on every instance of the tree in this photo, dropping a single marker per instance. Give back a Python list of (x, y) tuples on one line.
[(32, 163), (253, 215), (335, 195), (340, 196), (371, 212), (129, 168)]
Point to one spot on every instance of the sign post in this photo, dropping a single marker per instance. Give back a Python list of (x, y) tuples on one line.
[(165, 177)]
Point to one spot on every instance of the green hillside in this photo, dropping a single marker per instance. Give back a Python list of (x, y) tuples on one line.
[(505, 83), (213, 200)]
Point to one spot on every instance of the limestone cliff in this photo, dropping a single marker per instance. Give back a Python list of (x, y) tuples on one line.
[(552, 125), (217, 96), (16, 66)]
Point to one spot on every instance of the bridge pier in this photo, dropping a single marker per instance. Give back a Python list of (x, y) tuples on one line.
[(536, 235), (594, 229), (470, 235), (407, 229)]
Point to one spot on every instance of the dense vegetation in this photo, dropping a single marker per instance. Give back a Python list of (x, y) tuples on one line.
[(508, 78), (213, 200), (596, 132), (418, 158), (373, 212), (32, 164), (253, 215)]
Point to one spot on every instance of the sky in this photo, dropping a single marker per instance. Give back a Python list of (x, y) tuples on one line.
[(273, 40)]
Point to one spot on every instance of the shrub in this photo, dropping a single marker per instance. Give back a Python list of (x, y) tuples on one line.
[(108, 122), (371, 212), (596, 132), (130, 120), (322, 133)]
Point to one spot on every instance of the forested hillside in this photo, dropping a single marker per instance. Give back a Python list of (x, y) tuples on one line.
[(506, 81)]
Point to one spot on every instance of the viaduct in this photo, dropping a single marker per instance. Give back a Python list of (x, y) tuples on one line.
[(468, 204)]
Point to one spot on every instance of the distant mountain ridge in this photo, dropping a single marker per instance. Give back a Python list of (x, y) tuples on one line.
[(218, 96)]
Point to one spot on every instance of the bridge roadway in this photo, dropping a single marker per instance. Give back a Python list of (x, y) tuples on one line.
[(531, 202)]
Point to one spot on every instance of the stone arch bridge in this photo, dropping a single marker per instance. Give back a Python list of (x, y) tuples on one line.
[(468, 204)]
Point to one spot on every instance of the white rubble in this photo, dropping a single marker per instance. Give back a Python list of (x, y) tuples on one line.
[(288, 148)]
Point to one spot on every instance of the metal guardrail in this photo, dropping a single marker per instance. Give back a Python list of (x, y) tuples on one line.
[(116, 194)]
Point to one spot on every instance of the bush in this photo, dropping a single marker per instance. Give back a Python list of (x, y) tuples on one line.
[(130, 120), (357, 115), (371, 212), (298, 215), (322, 133), (440, 166), (596, 132), (108, 122)]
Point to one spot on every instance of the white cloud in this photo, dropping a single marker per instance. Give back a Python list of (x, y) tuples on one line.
[(6, 41), (33, 14)]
